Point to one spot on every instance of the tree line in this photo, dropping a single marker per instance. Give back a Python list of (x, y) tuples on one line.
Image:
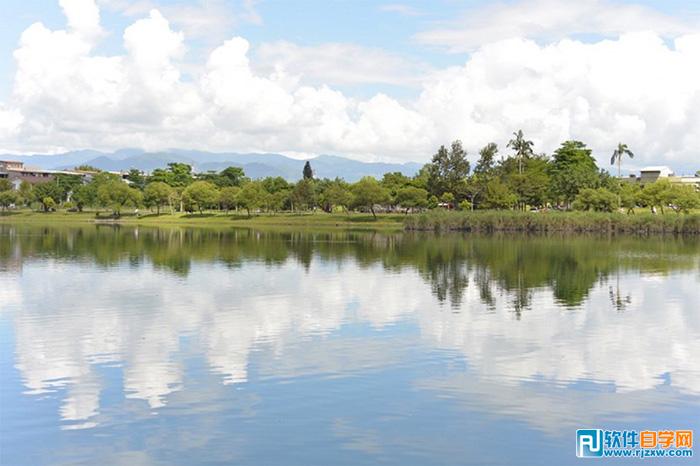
[(568, 179)]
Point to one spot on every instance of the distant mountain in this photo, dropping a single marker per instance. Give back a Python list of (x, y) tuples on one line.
[(254, 165)]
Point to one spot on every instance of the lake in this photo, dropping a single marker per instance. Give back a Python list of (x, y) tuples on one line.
[(138, 346)]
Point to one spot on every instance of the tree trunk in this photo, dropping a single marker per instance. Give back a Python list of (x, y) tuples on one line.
[(372, 210)]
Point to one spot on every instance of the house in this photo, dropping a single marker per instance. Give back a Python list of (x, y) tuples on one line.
[(652, 174), (16, 173)]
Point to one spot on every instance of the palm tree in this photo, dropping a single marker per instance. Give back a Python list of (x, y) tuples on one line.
[(522, 148), (620, 152)]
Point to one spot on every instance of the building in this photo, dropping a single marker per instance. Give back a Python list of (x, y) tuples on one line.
[(652, 174), (16, 173)]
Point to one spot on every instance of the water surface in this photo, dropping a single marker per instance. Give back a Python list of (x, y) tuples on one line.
[(184, 346)]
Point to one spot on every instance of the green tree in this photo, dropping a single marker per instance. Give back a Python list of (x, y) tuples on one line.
[(629, 196), (8, 198), (656, 194), (49, 190), (308, 172), (448, 170), (232, 176), (177, 175), (85, 195), (157, 194), (5, 184), (600, 200), (572, 170), (26, 192), (522, 148), (201, 194), (498, 196), (410, 197), (252, 196), (228, 197), (368, 193), (136, 178), (272, 184), (303, 195), (682, 198), (116, 194), (617, 155), (48, 203), (337, 193), (487, 159)]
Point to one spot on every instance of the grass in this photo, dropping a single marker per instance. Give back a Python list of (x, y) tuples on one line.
[(317, 220), (568, 222), (437, 220)]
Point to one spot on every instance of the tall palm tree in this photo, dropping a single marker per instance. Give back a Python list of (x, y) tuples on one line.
[(620, 152), (522, 148)]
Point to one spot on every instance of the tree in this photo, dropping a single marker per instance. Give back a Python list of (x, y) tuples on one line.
[(303, 195), (116, 194), (617, 155), (157, 194), (25, 191), (629, 196), (85, 195), (498, 196), (572, 170), (487, 159), (368, 192), (252, 196), (394, 181), (48, 203), (228, 197), (600, 200), (201, 194), (41, 192), (522, 148), (177, 175), (337, 193), (8, 198), (411, 197), (136, 178), (530, 186), (656, 194), (272, 184), (682, 198), (448, 170), (308, 172), (5, 184), (87, 168)]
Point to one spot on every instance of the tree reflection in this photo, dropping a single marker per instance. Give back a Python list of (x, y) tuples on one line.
[(515, 265)]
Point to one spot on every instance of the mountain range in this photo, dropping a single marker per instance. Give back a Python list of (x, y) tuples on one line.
[(254, 165)]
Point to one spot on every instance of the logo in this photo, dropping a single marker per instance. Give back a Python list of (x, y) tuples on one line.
[(597, 443), (589, 443)]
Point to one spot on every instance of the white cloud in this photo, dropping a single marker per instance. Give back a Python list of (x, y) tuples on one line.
[(338, 64), (549, 20), (635, 88), (400, 8)]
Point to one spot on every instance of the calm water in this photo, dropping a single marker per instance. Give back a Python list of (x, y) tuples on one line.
[(148, 347)]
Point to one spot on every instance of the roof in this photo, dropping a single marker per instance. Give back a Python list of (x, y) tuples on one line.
[(662, 169)]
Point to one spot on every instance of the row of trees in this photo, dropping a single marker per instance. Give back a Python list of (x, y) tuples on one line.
[(569, 178)]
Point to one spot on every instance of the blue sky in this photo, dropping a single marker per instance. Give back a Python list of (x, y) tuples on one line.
[(387, 25), (387, 77)]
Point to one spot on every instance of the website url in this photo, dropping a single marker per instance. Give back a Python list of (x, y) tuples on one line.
[(646, 453)]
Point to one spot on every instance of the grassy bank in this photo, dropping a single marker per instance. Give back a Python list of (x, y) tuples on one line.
[(318, 220), (543, 222), (438, 220)]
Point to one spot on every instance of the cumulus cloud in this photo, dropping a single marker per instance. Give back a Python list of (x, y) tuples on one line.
[(638, 88), (340, 64), (549, 20)]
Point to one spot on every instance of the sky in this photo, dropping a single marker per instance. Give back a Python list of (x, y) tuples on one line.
[(369, 80)]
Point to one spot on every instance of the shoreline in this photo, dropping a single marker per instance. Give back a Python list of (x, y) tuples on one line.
[(432, 221)]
